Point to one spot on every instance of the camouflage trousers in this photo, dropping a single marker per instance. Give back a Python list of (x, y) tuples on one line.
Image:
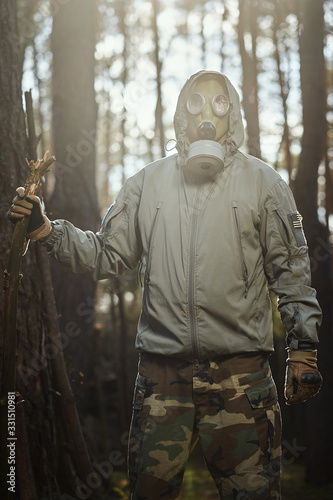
[(228, 405)]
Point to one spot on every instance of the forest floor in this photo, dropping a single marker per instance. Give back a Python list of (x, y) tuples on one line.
[(198, 484)]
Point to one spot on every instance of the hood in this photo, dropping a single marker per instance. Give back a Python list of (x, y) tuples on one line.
[(235, 135)]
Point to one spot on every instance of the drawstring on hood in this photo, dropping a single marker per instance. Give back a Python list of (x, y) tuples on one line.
[(235, 135)]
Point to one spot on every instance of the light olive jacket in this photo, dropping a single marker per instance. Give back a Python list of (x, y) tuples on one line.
[(212, 249)]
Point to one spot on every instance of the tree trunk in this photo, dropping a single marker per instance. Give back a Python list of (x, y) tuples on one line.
[(223, 51), (33, 414), (247, 14), (203, 43), (158, 64), (124, 79), (74, 197), (284, 89), (320, 408)]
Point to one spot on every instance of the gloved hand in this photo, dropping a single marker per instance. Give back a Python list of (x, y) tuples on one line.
[(39, 227), (303, 379)]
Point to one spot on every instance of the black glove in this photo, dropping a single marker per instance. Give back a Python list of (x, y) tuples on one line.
[(39, 227)]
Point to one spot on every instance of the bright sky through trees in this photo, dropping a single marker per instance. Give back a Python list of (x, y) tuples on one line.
[(181, 33)]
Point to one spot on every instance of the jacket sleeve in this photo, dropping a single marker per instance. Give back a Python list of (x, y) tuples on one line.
[(109, 252), (287, 266)]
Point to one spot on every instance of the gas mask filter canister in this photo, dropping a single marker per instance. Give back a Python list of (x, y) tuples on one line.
[(205, 158)]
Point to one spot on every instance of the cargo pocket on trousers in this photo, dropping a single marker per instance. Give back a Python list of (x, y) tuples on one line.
[(262, 397), (262, 393)]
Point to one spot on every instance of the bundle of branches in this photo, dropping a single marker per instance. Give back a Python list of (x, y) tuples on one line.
[(13, 276)]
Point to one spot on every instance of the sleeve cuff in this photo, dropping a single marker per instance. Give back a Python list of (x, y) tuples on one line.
[(301, 345), (57, 231)]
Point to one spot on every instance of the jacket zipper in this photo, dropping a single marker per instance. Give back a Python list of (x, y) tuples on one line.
[(191, 300), (151, 241), (243, 262), (284, 233)]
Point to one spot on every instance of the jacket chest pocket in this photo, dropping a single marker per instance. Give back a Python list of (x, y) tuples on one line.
[(245, 274), (115, 218), (151, 244)]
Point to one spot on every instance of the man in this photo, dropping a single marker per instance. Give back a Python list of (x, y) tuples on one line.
[(216, 229)]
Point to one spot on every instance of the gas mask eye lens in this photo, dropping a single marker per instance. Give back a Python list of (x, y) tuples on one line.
[(220, 104), (195, 103)]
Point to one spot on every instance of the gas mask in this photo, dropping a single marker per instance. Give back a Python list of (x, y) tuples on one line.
[(208, 122)]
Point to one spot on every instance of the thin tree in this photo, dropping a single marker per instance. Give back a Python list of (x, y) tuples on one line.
[(31, 414), (41, 379), (223, 54), (74, 197), (158, 65), (319, 454), (202, 8), (284, 86), (248, 17), (122, 8)]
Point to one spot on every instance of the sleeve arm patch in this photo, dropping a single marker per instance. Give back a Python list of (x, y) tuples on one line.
[(295, 220)]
